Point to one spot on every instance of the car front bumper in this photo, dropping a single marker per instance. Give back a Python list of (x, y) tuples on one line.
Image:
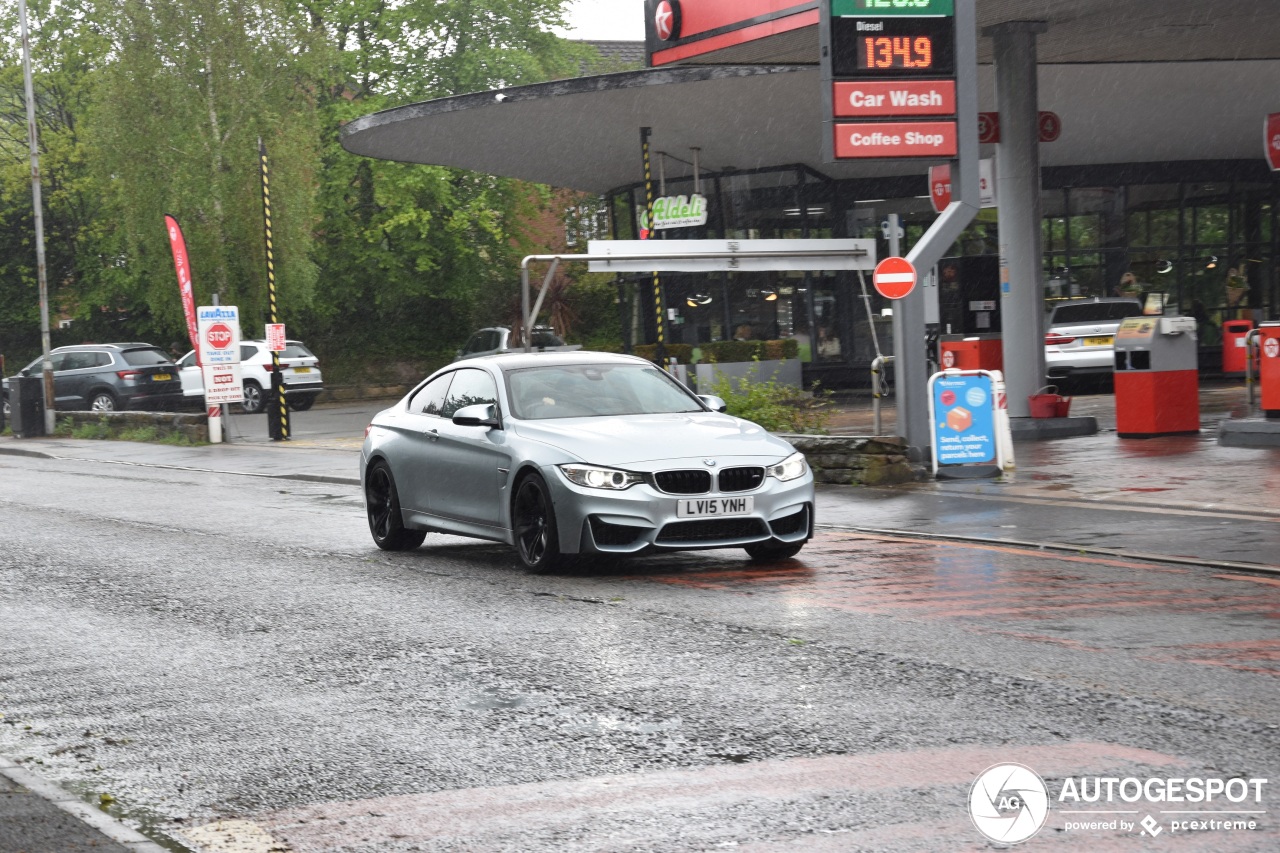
[(600, 521)]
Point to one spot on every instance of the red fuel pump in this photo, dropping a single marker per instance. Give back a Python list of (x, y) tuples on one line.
[(1269, 368)]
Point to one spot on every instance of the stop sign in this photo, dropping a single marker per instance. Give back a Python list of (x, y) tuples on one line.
[(894, 278), (219, 336)]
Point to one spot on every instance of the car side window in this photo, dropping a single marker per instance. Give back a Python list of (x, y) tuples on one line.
[(188, 360), (430, 398), (101, 359), (469, 388), (247, 352)]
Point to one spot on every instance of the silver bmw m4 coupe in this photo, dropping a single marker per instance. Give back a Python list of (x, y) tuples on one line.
[(568, 454)]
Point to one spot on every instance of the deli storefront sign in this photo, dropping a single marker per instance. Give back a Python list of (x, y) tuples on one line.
[(936, 139)]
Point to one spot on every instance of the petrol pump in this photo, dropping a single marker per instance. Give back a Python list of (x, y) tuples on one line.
[(1157, 382), (1269, 368)]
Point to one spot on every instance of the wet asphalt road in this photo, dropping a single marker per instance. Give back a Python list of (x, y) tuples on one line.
[(206, 647)]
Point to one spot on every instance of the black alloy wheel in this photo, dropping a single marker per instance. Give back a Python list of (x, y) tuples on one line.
[(383, 504), (534, 521), (301, 402)]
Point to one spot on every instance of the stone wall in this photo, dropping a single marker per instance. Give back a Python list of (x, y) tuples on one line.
[(195, 427), (848, 460)]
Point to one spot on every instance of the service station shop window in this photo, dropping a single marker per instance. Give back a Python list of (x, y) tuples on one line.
[(1208, 246)]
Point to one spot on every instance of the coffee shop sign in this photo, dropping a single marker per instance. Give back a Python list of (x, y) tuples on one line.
[(679, 211)]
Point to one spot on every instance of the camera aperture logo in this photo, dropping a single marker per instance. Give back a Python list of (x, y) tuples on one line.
[(1009, 803)]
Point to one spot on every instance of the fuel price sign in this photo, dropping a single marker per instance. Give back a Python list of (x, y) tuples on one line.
[(893, 47)]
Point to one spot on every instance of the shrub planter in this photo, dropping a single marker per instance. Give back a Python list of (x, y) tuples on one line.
[(848, 460), (194, 427), (785, 372)]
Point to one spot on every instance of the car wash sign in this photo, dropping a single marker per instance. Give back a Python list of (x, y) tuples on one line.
[(889, 69), (218, 336)]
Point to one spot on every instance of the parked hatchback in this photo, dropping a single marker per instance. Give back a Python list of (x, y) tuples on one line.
[(299, 368), (1081, 335), (109, 377)]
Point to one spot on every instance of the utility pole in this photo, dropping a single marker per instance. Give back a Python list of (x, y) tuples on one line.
[(37, 201)]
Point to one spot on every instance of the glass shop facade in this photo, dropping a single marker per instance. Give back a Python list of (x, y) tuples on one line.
[(1204, 234)]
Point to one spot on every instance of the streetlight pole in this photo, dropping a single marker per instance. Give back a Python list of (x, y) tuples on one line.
[(37, 202)]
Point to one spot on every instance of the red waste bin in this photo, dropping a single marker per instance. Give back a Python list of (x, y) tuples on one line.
[(1269, 367), (1234, 353), (976, 352)]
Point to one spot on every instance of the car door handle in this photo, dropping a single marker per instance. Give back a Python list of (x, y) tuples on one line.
[(433, 435)]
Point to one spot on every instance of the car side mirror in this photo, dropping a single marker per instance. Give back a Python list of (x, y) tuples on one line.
[(483, 414), (26, 371), (714, 403)]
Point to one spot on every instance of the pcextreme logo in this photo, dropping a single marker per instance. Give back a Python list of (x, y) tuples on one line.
[(1010, 803)]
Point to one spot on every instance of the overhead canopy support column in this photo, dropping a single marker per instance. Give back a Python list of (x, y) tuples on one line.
[(1018, 170)]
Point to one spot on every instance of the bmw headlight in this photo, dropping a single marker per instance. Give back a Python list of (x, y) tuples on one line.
[(788, 469), (595, 477)]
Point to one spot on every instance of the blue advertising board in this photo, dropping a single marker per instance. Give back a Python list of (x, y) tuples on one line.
[(963, 415)]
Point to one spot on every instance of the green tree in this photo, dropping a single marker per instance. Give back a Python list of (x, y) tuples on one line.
[(175, 124)]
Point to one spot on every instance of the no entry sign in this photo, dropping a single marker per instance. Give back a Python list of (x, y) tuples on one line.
[(894, 278)]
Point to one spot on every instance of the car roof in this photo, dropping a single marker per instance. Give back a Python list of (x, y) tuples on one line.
[(518, 360), (1090, 300), (97, 347)]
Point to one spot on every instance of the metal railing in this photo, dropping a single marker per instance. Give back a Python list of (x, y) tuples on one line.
[(878, 388)]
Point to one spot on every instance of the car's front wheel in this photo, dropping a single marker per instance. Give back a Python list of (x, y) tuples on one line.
[(763, 551), (255, 399), (301, 402), (383, 504), (533, 520), (103, 401)]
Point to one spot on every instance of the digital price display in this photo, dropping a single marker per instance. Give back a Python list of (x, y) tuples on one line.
[(893, 47)]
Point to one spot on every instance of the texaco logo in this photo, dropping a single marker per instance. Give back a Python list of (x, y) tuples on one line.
[(666, 20), (948, 359), (1009, 803), (1271, 347)]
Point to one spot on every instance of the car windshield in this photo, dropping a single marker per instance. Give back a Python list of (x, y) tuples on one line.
[(145, 357), (1094, 312), (595, 390)]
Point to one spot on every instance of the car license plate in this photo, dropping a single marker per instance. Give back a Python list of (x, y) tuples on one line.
[(1102, 341), (162, 377), (302, 370), (713, 507)]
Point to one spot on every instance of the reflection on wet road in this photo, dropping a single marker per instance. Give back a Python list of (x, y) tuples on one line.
[(1070, 600)]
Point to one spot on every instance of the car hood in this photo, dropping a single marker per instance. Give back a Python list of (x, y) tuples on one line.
[(638, 439)]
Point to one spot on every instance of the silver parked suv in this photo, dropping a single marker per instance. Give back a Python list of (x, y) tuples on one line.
[(110, 377)]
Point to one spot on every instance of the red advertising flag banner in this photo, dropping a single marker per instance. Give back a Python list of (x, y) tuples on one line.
[(183, 267), (1273, 141), (896, 139), (881, 98)]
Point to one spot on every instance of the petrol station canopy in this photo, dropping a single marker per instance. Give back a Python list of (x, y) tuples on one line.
[(1133, 81)]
